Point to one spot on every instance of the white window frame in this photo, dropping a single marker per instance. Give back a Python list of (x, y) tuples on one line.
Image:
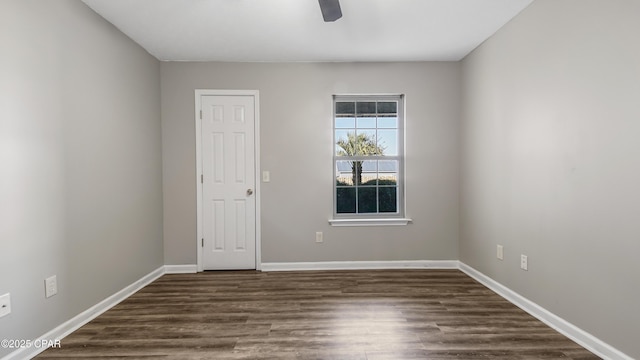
[(372, 219)]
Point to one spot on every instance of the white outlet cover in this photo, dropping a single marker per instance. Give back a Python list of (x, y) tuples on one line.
[(500, 252), (5, 305), (524, 262), (50, 286)]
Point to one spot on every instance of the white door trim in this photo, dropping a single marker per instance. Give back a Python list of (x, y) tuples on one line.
[(199, 221)]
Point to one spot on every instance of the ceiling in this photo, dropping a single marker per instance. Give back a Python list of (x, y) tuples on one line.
[(293, 30)]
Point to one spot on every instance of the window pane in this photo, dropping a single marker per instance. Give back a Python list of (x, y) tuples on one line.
[(344, 173), (366, 107), (345, 123), (388, 122), (369, 175), (365, 143), (345, 108), (387, 107), (387, 179), (357, 173), (388, 172), (388, 140), (367, 199), (366, 122), (344, 146), (387, 199), (345, 200)]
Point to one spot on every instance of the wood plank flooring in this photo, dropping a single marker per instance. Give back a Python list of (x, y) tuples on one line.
[(342, 315)]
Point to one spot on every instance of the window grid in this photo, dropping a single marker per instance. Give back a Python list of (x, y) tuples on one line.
[(364, 124)]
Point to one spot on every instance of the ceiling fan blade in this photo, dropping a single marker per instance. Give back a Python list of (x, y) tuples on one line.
[(330, 10)]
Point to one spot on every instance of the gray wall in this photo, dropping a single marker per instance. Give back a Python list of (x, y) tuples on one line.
[(551, 162), (549, 156), (296, 147), (80, 165)]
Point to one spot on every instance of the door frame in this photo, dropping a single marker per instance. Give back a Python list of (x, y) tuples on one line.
[(199, 220)]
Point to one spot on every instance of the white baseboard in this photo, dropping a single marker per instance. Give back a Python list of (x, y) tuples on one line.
[(360, 265), (81, 319), (180, 269), (583, 338)]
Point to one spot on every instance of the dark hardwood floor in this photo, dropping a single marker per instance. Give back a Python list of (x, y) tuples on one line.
[(342, 315)]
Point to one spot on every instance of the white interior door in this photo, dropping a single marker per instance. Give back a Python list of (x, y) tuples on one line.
[(228, 182)]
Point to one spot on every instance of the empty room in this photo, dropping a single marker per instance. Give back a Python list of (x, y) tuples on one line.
[(319, 179)]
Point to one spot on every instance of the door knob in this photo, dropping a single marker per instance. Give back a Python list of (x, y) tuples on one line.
[(249, 192)]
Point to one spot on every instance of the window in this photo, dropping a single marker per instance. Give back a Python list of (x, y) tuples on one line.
[(368, 156)]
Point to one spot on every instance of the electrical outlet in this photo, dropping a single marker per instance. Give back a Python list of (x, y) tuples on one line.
[(524, 262), (50, 286), (319, 238), (5, 304), (500, 252)]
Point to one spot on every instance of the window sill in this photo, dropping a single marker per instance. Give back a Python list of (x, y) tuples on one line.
[(369, 222)]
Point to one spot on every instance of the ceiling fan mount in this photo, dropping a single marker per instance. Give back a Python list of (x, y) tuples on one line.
[(330, 10)]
